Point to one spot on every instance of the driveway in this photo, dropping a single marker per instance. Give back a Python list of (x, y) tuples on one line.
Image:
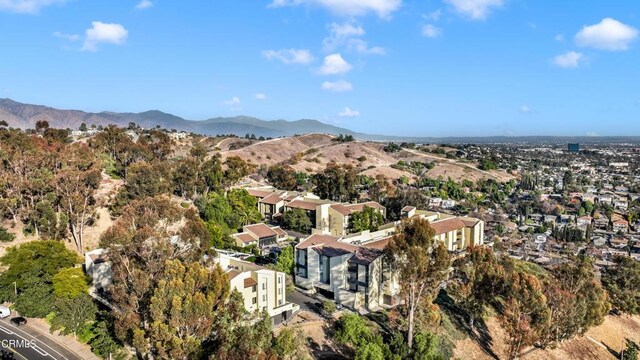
[(26, 343), (307, 303)]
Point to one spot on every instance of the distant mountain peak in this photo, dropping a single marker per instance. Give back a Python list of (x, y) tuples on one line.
[(25, 115)]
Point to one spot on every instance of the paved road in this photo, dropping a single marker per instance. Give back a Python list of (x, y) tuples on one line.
[(27, 343), (306, 302)]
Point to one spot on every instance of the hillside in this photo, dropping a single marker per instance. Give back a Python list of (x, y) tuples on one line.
[(312, 152), (25, 116), (599, 343)]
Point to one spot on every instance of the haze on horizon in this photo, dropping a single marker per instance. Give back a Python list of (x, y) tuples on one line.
[(394, 67)]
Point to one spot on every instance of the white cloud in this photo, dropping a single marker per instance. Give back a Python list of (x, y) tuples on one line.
[(559, 38), (570, 59), (334, 64), (609, 34), (362, 47), (234, 101), (433, 16), (475, 9), (349, 113), (104, 33), (383, 8), (144, 4), (431, 31), (289, 56), (346, 35), (27, 6), (339, 34), (592, 134), (337, 86), (525, 109), (259, 96), (68, 37)]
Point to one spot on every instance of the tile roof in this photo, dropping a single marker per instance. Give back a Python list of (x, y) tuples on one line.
[(249, 282), (470, 222), (317, 239), (233, 273), (302, 204), (348, 209), (366, 256), (260, 230), (379, 244), (444, 226), (271, 199), (259, 193), (279, 231), (245, 237), (408, 208)]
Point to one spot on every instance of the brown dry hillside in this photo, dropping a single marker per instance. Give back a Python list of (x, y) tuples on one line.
[(599, 343), (312, 152)]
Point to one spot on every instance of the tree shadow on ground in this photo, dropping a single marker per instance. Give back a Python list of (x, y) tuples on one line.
[(479, 333), (325, 351)]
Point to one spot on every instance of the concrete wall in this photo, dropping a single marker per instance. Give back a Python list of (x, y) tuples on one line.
[(338, 268)]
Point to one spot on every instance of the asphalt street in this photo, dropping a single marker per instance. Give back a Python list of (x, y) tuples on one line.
[(26, 343)]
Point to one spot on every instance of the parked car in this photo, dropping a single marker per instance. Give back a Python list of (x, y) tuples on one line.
[(4, 312), (18, 321)]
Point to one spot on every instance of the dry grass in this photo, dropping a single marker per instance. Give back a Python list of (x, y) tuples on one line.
[(601, 342)]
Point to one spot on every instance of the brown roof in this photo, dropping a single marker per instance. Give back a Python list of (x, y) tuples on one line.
[(444, 226), (317, 239), (302, 204), (408, 208), (272, 199), (233, 273), (469, 222), (378, 244), (360, 206), (348, 209), (249, 282), (279, 231), (341, 209), (259, 193), (245, 237), (260, 230), (365, 256)]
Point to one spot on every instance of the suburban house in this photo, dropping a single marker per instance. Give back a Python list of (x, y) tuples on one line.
[(260, 235), (334, 219), (262, 289), (620, 225), (98, 267), (584, 221), (350, 269)]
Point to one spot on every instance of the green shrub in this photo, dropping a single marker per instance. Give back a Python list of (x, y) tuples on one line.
[(6, 236), (329, 307)]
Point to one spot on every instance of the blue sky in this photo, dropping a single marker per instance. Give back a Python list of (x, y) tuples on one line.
[(396, 67)]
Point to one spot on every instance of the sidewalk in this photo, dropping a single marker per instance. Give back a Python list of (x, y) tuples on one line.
[(66, 341)]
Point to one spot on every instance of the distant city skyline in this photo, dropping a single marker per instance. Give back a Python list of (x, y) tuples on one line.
[(394, 67)]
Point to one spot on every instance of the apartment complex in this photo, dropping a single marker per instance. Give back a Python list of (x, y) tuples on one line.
[(262, 289), (326, 216), (351, 269), (260, 235)]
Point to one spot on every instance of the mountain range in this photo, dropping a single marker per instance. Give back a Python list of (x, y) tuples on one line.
[(25, 116)]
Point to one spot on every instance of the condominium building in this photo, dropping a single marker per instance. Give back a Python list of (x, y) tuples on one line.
[(351, 269), (262, 289)]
